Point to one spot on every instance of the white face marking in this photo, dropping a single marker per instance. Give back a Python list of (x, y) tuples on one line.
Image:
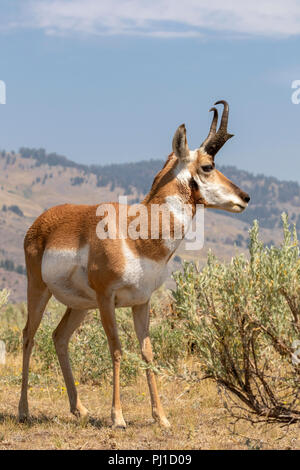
[(218, 195), (65, 273), (215, 194)]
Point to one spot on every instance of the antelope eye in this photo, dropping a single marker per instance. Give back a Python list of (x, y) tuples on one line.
[(207, 168)]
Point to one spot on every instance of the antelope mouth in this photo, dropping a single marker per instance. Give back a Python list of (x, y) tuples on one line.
[(238, 208), (242, 207)]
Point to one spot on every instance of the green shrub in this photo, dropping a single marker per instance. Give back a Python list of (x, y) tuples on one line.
[(239, 321), (244, 321), (4, 294), (89, 351), (9, 331)]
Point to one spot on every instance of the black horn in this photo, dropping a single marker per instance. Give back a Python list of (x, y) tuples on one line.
[(216, 139), (213, 127)]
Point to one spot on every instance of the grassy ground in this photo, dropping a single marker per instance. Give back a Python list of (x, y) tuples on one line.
[(199, 420)]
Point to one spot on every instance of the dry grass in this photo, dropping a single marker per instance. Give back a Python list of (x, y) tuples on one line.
[(199, 420)]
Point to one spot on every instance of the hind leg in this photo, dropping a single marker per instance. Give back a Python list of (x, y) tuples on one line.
[(37, 298), (61, 336)]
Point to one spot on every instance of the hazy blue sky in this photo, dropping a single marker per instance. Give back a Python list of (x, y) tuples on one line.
[(110, 81)]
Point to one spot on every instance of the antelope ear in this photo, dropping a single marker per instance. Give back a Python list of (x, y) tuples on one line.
[(179, 143)]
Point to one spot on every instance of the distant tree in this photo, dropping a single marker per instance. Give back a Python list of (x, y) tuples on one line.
[(77, 181), (9, 265), (16, 210)]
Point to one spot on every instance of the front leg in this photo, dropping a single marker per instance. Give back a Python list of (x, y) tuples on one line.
[(141, 319), (108, 318)]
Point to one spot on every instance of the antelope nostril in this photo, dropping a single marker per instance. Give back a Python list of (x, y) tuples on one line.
[(246, 198)]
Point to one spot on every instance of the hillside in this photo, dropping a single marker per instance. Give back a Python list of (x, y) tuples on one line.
[(32, 181)]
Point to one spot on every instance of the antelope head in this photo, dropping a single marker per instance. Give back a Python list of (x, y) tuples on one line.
[(210, 187)]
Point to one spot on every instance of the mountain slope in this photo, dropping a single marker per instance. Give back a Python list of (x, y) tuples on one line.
[(32, 181)]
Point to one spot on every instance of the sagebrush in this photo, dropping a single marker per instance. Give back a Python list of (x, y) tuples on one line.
[(244, 320), (235, 323)]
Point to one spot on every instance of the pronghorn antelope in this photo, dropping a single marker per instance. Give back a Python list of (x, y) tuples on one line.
[(66, 258)]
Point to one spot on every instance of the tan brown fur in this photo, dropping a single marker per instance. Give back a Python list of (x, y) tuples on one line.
[(73, 227)]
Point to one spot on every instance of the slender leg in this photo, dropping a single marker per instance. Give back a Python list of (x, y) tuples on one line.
[(108, 318), (61, 336), (38, 297), (141, 323)]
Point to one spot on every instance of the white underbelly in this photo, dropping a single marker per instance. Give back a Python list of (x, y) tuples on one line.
[(129, 296), (65, 273)]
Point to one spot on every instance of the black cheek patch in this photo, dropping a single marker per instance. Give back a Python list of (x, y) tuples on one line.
[(198, 199), (194, 185)]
